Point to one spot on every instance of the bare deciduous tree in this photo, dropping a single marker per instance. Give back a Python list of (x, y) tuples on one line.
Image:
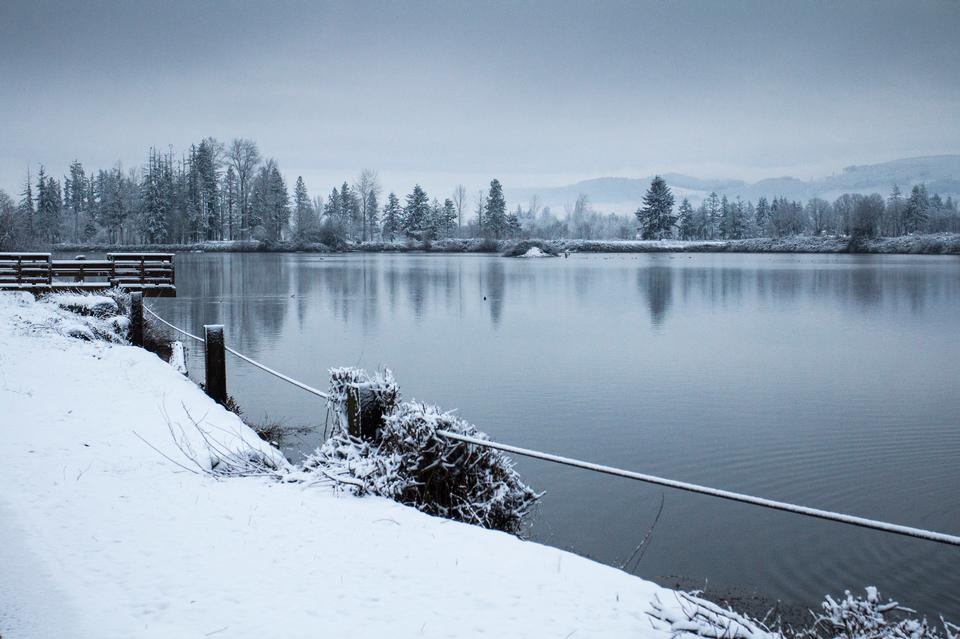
[(459, 198), (366, 185), (244, 157)]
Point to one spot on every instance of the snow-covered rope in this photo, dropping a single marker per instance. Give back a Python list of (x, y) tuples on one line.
[(852, 520), (176, 328), (263, 367)]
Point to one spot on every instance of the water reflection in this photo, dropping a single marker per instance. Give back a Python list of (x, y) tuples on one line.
[(358, 290), (740, 371), (656, 283)]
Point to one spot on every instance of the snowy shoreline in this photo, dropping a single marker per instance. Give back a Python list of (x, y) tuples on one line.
[(931, 244), (122, 542)]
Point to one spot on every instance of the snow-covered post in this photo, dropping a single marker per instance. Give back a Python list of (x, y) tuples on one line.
[(136, 319), (354, 426), (216, 363)]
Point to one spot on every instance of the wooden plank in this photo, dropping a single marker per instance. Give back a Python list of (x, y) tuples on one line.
[(25, 256)]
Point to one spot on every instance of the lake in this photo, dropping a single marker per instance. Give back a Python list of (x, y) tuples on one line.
[(825, 380)]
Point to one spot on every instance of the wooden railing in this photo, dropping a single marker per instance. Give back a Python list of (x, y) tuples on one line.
[(151, 273)]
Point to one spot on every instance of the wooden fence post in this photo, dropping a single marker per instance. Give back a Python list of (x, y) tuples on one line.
[(216, 364), (136, 319), (353, 412)]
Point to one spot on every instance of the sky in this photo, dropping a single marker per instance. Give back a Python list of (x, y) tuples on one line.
[(441, 93)]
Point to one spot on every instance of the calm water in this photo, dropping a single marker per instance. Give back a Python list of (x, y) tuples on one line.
[(830, 381)]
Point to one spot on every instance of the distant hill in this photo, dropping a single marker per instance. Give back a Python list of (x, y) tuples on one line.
[(941, 174)]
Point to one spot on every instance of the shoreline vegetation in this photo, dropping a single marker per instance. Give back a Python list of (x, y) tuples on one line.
[(924, 244)]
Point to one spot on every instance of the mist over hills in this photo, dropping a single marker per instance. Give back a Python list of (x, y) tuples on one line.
[(941, 174)]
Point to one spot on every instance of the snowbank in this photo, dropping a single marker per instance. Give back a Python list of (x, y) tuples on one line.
[(535, 252), (112, 539)]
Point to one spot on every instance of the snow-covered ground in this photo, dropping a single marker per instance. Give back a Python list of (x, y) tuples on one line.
[(102, 536)]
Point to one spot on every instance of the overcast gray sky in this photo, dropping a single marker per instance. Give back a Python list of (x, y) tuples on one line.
[(535, 93)]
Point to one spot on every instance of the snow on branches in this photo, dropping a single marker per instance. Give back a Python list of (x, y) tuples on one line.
[(90, 317), (408, 461), (850, 617)]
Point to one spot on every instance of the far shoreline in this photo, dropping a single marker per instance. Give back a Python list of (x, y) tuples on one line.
[(929, 244)]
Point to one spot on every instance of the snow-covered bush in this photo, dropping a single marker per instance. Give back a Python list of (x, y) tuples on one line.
[(850, 617), (868, 617), (409, 461), (91, 317)]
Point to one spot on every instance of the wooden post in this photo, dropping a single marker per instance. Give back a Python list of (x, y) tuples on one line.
[(353, 412), (216, 364), (136, 319)]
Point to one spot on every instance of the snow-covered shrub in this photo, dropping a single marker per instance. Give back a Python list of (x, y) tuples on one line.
[(91, 317), (408, 461), (869, 617), (850, 617)]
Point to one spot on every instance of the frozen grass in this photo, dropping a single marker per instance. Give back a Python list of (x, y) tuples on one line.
[(848, 617)]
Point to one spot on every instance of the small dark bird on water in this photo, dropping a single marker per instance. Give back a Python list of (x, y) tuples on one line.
[(484, 298)]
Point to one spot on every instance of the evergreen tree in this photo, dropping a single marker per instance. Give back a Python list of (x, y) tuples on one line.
[(656, 216), (392, 217), (714, 209), (416, 212), (153, 215), (231, 201), (762, 216), (448, 217), (894, 211), (333, 208), (733, 225), (279, 211), (514, 228), (49, 208), (302, 211), (686, 221), (75, 196), (26, 213), (495, 213), (916, 212)]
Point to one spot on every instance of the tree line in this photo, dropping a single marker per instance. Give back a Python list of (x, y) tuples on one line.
[(850, 215), (219, 191)]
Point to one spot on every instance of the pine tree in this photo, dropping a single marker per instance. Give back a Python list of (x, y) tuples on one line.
[(895, 210), (302, 211), (75, 196), (686, 221), (231, 200), (153, 215), (656, 216), (449, 217), (392, 217), (763, 216), (714, 212), (26, 213), (416, 212), (49, 208), (495, 214), (279, 204), (331, 210), (917, 210)]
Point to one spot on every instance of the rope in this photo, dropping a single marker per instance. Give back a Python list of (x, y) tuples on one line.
[(863, 522), (853, 520), (263, 367), (309, 389), (179, 330)]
